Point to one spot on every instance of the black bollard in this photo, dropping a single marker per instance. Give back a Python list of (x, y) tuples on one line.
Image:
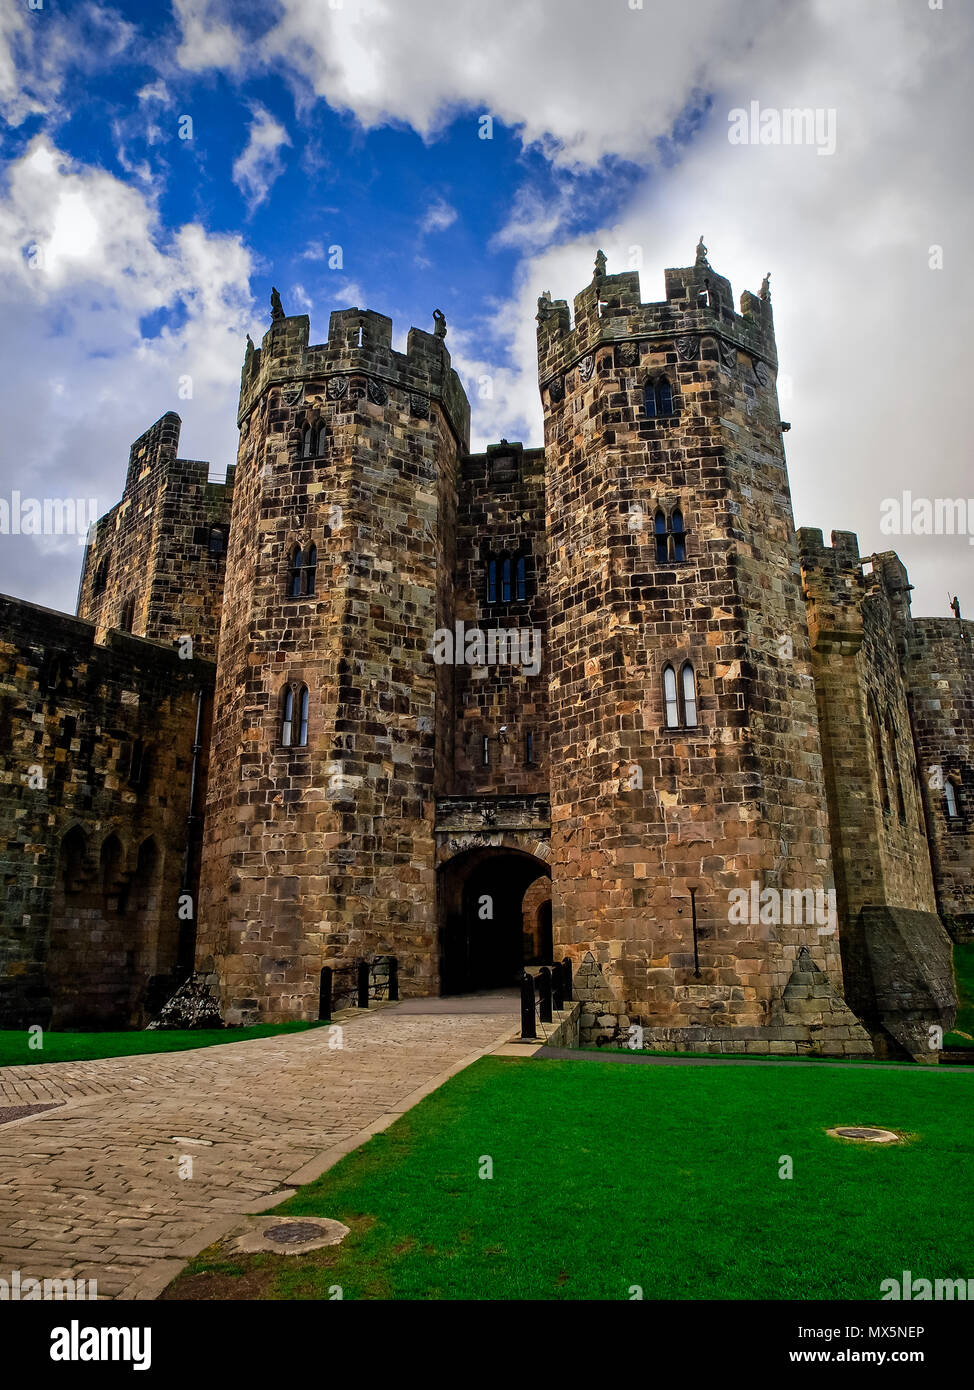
[(558, 986), (363, 984), (544, 994), (528, 1029), (324, 993), (566, 966), (393, 978)]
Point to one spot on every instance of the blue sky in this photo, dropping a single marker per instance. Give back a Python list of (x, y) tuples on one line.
[(134, 260)]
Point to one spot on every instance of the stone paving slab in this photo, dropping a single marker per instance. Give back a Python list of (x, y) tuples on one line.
[(92, 1189)]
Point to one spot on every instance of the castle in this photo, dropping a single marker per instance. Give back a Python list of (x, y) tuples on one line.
[(375, 696)]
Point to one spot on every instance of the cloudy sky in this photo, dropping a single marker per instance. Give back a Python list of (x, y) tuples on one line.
[(162, 167)]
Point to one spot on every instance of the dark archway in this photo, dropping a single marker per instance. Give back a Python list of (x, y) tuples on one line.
[(482, 940)]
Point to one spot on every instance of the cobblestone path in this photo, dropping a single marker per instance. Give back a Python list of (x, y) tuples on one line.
[(92, 1188)]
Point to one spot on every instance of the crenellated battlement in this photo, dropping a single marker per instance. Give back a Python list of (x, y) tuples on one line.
[(359, 343), (834, 588), (610, 311)]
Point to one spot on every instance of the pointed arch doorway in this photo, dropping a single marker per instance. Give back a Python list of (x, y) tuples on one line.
[(492, 918)]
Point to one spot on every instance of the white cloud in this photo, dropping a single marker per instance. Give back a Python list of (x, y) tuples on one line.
[(876, 344), (438, 216), (206, 41), (260, 164), (82, 379), (582, 80)]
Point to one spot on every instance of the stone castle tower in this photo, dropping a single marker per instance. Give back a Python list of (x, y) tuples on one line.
[(318, 843), (686, 759), (477, 712)]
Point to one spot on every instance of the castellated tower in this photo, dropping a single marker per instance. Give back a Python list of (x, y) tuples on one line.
[(685, 752), (319, 833)]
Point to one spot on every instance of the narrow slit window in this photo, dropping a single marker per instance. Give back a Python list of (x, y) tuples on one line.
[(879, 755), (310, 569), (670, 700), (294, 577), (302, 738), (664, 396), (529, 749), (689, 696), (287, 717), (950, 797), (491, 581), (521, 578), (679, 536), (485, 751), (897, 779), (662, 549)]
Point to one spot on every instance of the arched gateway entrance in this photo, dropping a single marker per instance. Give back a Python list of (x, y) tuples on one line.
[(495, 914)]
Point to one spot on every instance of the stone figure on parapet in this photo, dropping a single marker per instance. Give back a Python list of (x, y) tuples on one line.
[(600, 264), (544, 306), (701, 253), (277, 308), (765, 292), (439, 319), (955, 607)]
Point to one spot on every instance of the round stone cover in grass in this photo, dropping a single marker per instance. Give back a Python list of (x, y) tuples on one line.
[(865, 1134), (290, 1236)]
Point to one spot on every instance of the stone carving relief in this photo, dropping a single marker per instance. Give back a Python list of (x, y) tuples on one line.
[(337, 387)]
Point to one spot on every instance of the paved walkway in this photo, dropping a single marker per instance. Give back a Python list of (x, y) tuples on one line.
[(92, 1188)]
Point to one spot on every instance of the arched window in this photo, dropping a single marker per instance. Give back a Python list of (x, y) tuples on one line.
[(127, 617), (662, 547), (658, 398), (322, 433), (218, 540), (294, 716), (671, 537), (879, 754), (302, 717), (897, 780), (670, 699), (950, 797), (507, 578), (302, 571), (100, 580), (287, 717), (294, 572), (689, 691), (679, 536)]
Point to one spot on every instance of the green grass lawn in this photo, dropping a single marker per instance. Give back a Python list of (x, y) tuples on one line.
[(84, 1047), (963, 1034), (607, 1176)]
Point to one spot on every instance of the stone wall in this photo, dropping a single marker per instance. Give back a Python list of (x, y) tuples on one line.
[(154, 566), (99, 834), (879, 841), (939, 661), (501, 514)]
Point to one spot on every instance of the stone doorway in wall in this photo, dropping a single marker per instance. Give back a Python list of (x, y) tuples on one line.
[(495, 918)]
